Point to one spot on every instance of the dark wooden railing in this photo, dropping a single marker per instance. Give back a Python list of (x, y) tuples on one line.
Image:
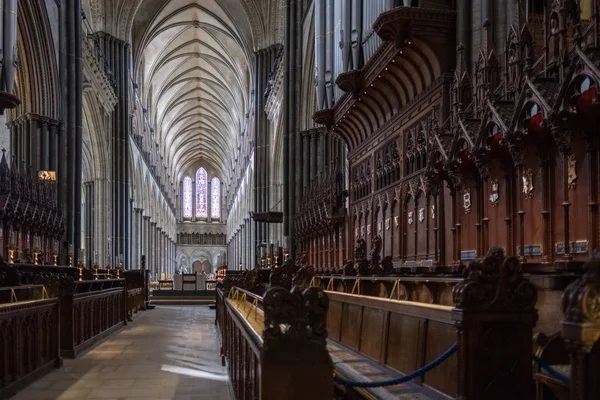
[(88, 315), (278, 353), (28, 343), (83, 311)]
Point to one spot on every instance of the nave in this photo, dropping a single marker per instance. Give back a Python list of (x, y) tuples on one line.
[(170, 352)]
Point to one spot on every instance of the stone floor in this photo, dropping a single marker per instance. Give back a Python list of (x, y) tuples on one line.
[(171, 352)]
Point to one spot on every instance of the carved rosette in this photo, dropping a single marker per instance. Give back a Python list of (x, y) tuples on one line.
[(493, 283), (295, 316)]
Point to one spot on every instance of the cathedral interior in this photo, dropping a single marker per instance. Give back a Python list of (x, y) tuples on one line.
[(300, 199)]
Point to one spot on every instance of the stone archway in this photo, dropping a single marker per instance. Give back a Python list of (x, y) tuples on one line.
[(197, 267), (206, 267), (200, 266)]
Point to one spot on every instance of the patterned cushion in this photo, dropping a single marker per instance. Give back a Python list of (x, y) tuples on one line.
[(355, 367)]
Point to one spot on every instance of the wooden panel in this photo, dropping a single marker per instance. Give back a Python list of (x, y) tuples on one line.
[(496, 211), (579, 212), (468, 217), (372, 330), (410, 229), (447, 235), (334, 316), (403, 342), (351, 324), (533, 220), (439, 337), (421, 220)]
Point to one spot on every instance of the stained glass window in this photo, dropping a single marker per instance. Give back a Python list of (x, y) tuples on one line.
[(201, 193), (215, 198), (187, 197)]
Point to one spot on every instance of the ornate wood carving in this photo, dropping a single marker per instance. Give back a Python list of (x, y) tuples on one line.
[(495, 282)]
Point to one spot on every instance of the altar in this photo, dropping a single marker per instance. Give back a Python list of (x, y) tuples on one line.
[(189, 282)]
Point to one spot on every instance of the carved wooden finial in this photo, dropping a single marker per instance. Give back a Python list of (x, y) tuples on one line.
[(495, 283)]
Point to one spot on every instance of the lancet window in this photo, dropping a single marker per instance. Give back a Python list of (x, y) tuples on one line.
[(215, 198), (187, 197), (201, 193)]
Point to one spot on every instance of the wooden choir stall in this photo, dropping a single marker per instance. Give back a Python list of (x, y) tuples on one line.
[(49, 311), (482, 346)]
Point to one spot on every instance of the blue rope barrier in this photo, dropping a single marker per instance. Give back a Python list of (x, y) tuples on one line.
[(553, 373), (405, 378)]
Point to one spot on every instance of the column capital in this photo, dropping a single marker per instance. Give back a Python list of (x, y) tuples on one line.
[(146, 217), (152, 222), (139, 210)]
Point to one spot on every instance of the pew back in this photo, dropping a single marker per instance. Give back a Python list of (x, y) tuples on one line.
[(28, 343), (273, 354), (402, 335)]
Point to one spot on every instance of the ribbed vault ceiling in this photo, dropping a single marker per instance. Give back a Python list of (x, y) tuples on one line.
[(194, 60)]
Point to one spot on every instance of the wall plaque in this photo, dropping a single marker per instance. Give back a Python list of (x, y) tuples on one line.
[(410, 264), (576, 247), (433, 212), (468, 255), (410, 217), (531, 250), (421, 214), (387, 224)]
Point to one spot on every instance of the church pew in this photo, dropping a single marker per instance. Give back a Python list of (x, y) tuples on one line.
[(279, 353), (491, 321), (29, 337), (581, 331)]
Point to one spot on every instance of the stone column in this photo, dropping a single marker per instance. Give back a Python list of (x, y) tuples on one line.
[(305, 158), (166, 252), (146, 236), (137, 239), (314, 155), (53, 146), (152, 250), (160, 250), (44, 142)]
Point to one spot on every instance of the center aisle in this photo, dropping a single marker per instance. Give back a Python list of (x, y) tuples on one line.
[(171, 352)]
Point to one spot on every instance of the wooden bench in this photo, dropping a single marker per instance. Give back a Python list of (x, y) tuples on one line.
[(581, 331), (491, 322), (279, 353)]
